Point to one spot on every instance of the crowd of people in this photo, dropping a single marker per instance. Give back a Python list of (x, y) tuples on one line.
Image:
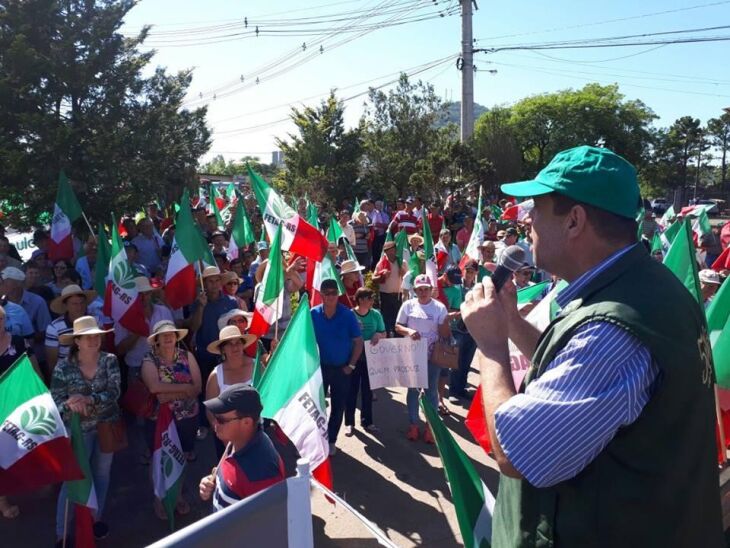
[(199, 359)]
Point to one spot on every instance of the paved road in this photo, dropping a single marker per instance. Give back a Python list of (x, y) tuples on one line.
[(397, 484)]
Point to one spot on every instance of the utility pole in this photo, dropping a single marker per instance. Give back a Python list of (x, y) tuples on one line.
[(467, 71)]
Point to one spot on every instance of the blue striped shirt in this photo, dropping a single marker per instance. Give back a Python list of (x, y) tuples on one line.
[(601, 380)]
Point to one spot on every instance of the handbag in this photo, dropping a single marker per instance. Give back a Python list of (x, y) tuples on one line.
[(445, 354), (138, 400), (112, 435)]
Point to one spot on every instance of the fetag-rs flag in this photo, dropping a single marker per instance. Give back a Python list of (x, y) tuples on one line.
[(293, 395), (65, 211), (35, 449), (122, 302), (168, 462), (298, 236)]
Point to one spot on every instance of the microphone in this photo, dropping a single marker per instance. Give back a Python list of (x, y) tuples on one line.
[(511, 259)]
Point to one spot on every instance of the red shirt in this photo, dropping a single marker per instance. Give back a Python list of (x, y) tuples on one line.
[(435, 222), (406, 221)]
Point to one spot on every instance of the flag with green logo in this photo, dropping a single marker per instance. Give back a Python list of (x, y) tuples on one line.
[(35, 449), (168, 462), (81, 493), (473, 502), (122, 301)]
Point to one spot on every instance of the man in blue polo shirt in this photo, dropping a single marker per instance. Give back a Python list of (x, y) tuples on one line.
[(340, 345)]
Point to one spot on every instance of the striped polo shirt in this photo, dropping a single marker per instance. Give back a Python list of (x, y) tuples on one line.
[(600, 381)]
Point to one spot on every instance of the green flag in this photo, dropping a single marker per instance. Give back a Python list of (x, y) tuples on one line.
[(473, 502), (81, 491), (241, 234), (401, 245), (718, 314), (274, 272), (681, 260), (496, 211), (667, 237), (214, 207), (334, 233), (531, 292), (312, 215), (356, 207), (103, 256), (656, 243), (258, 368)]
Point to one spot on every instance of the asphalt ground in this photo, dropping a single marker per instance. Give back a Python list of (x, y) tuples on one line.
[(397, 484)]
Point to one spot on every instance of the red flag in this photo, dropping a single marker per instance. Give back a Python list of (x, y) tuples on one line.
[(476, 422)]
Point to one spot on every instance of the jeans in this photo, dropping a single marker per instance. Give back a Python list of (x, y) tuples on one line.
[(467, 347), (339, 386), (101, 465), (432, 392), (360, 380)]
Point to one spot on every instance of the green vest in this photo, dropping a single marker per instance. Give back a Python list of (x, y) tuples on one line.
[(656, 482)]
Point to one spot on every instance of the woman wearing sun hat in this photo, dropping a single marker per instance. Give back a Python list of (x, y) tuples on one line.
[(235, 366), (87, 382), (172, 374)]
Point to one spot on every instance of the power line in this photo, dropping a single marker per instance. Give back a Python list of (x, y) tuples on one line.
[(606, 21)]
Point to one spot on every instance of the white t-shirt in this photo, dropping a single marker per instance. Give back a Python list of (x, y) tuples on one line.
[(424, 318)]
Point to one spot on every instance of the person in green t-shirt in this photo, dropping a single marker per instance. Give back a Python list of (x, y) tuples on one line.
[(373, 329)]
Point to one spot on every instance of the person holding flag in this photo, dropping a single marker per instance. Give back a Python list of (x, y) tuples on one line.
[(616, 383), (251, 464), (87, 382)]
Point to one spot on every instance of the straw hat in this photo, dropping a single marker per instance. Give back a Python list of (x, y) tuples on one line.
[(166, 326), (58, 305), (225, 318), (85, 325), (229, 333), (348, 267), (388, 245), (415, 239), (209, 271), (230, 276), (143, 285)]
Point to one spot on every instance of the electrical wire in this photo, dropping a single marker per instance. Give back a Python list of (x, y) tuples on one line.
[(605, 21)]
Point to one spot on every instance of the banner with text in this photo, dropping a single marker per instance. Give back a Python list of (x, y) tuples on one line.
[(397, 362)]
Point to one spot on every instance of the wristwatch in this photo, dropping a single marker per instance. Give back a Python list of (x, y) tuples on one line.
[(352, 367)]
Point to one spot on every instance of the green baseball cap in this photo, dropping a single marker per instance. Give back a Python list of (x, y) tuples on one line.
[(591, 175)]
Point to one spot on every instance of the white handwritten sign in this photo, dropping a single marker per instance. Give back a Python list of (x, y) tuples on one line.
[(540, 318), (397, 362)]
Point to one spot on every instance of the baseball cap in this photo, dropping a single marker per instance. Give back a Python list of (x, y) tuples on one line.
[(237, 397), (591, 175), (453, 274), (422, 281), (262, 246), (12, 273)]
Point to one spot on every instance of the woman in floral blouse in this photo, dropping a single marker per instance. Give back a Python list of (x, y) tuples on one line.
[(173, 375), (87, 382)]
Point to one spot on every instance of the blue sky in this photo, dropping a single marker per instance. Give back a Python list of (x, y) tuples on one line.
[(674, 80)]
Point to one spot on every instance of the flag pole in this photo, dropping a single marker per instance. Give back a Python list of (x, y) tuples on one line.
[(721, 426), (65, 522), (91, 230), (202, 285)]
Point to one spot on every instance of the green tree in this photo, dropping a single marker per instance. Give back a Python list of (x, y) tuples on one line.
[(684, 138), (595, 115), (323, 159), (718, 132), (405, 151), (495, 143), (72, 96), (219, 166)]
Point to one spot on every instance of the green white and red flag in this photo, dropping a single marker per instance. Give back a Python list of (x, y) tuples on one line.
[(293, 395), (518, 212), (429, 252), (241, 234), (298, 236), (122, 302), (103, 256), (473, 502), (317, 272), (35, 449), (473, 251), (216, 204), (188, 247), (65, 211), (269, 304), (81, 493), (168, 462)]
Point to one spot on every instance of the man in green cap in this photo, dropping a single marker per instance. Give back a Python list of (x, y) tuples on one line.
[(610, 440)]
